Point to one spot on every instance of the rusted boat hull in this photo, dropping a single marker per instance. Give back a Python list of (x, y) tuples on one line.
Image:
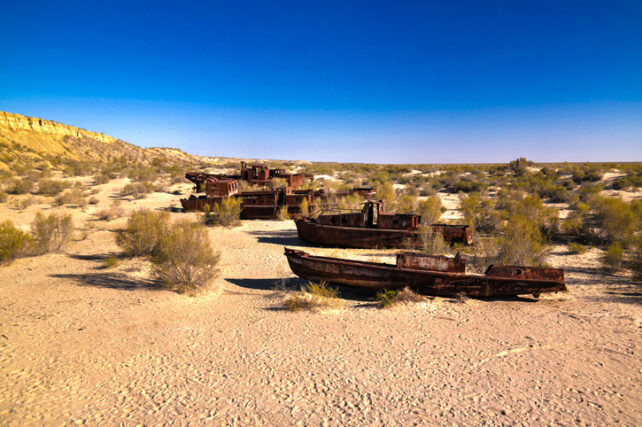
[(247, 211), (369, 238), (377, 276)]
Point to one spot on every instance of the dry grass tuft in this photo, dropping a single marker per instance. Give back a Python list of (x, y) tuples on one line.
[(314, 297), (389, 298), (51, 233)]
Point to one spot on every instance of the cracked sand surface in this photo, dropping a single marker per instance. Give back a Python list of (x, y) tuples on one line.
[(82, 344)]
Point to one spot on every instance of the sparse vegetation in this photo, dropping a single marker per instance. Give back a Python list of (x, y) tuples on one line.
[(51, 233), (21, 186), (141, 236), (51, 187), (283, 214), (430, 210), (74, 197), (522, 243), (183, 258), (13, 242), (110, 262), (226, 213), (432, 242), (388, 298), (577, 248), (138, 190), (613, 258), (314, 296)]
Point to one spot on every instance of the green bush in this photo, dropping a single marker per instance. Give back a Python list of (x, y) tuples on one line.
[(522, 243), (13, 242), (430, 210), (21, 186), (138, 190), (616, 220), (184, 260), (480, 213), (577, 248), (432, 242), (110, 262), (636, 262), (143, 232), (388, 298), (314, 296), (226, 213), (613, 258), (73, 197), (51, 232), (51, 187)]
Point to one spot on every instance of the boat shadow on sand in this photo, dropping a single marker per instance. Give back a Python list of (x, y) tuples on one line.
[(367, 297), (281, 238)]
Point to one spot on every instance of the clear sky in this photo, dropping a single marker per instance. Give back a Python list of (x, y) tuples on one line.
[(371, 81)]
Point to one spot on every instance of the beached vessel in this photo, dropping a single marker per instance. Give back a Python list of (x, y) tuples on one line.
[(430, 275), (373, 228)]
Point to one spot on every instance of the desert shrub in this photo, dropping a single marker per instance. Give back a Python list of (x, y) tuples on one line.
[(20, 186), (275, 183), (24, 202), (468, 186), (102, 178), (114, 211), (520, 166), (480, 213), (138, 190), (406, 204), (388, 298), (577, 248), (51, 187), (51, 232), (110, 262), (613, 258), (636, 262), (432, 242), (430, 210), (312, 297), (616, 220), (533, 209), (226, 213), (386, 192), (142, 234), (74, 197), (93, 200), (305, 207), (283, 214), (13, 242), (3, 197), (184, 260), (522, 243)]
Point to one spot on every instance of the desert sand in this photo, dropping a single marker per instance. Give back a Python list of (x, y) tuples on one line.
[(83, 344)]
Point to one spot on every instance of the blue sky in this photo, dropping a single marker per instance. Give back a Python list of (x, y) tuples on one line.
[(389, 82)]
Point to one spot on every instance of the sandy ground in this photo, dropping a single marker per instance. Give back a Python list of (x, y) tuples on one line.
[(83, 344)]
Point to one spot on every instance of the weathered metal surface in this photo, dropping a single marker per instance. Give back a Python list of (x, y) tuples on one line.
[(379, 276), (431, 262), (220, 187)]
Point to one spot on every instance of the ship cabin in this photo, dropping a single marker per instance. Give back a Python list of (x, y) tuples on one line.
[(219, 188)]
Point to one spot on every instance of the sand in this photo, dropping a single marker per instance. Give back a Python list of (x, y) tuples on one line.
[(79, 343)]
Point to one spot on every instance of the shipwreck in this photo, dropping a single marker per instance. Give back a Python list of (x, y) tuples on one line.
[(373, 228), (260, 203), (429, 275)]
